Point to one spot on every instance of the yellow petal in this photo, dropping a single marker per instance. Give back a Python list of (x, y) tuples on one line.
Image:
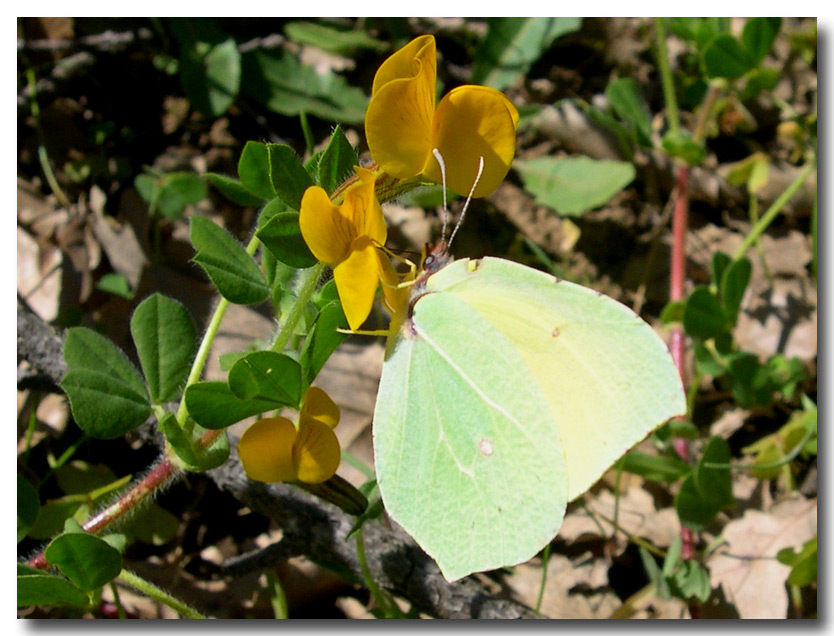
[(402, 63), (399, 116), (362, 208), (266, 450), (319, 406), (472, 122), (325, 229), (356, 280), (316, 452), (396, 297)]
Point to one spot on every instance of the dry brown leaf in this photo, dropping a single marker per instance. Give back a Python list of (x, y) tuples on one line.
[(575, 588), (746, 567), (637, 516), (119, 241), (39, 275)]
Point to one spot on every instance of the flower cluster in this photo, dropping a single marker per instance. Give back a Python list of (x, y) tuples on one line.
[(472, 130), (406, 129)]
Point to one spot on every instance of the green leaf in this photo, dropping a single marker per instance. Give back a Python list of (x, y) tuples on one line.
[(154, 525), (195, 458), (715, 484), (626, 100), (673, 312), (733, 285), (803, 563), (53, 514), (273, 170), (288, 176), (696, 30), (330, 38), (253, 170), (749, 380), (266, 375), (281, 235), (682, 145), (720, 262), (760, 80), (512, 45), (176, 190), (336, 162), (213, 405), (622, 134), (28, 505), (573, 185), (235, 274), (691, 581), (724, 57), (703, 316), (322, 340), (87, 561), (233, 190), (654, 573), (166, 342), (706, 360), (280, 82), (210, 65), (758, 35), (661, 468), (692, 509), (116, 284), (46, 589), (79, 477), (107, 394)]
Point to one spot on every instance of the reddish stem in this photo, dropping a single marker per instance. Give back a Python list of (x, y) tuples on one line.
[(159, 476), (677, 340)]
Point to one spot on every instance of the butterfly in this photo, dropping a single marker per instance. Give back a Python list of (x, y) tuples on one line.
[(505, 394)]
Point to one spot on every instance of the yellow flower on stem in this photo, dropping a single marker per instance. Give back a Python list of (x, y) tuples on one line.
[(347, 238), (272, 449), (403, 127)]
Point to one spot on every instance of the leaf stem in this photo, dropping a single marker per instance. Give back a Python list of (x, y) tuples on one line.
[(306, 286), (43, 158), (666, 77), (377, 594), (773, 211), (158, 594)]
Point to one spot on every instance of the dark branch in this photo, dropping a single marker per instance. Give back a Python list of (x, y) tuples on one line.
[(310, 526)]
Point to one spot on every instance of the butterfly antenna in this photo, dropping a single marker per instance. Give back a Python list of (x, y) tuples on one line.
[(468, 199), (442, 165)]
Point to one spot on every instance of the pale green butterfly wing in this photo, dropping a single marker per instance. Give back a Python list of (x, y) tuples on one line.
[(608, 377), (582, 374), (467, 453)]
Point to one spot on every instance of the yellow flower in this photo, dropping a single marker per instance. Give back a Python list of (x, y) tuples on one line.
[(272, 449), (346, 237), (403, 126)]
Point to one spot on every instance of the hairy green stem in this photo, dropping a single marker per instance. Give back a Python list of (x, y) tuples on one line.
[(158, 594), (208, 339), (306, 286)]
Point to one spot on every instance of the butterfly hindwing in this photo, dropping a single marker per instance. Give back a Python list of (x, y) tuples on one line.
[(467, 454)]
